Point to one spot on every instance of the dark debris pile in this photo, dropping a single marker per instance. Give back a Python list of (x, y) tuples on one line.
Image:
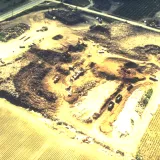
[(83, 90), (148, 49), (28, 84), (66, 16), (13, 32), (52, 57)]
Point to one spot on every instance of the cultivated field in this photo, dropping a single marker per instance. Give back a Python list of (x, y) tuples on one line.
[(150, 143), (24, 136)]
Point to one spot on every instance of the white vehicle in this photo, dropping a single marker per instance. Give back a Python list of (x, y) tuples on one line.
[(153, 78), (100, 51)]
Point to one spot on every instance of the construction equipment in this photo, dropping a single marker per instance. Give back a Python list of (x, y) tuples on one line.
[(118, 98), (110, 106)]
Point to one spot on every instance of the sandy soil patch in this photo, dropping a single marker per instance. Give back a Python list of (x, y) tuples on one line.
[(140, 40)]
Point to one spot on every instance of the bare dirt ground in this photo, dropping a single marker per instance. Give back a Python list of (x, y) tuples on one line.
[(133, 41), (72, 79)]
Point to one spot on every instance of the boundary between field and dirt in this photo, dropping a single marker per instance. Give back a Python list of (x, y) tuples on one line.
[(32, 139)]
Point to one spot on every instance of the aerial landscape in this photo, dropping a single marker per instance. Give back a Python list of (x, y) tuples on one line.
[(91, 79)]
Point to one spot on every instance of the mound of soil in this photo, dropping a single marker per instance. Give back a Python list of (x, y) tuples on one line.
[(28, 84), (102, 29), (79, 47), (57, 37), (131, 65), (105, 75), (52, 57), (99, 34), (62, 70), (71, 99), (147, 49), (149, 68)]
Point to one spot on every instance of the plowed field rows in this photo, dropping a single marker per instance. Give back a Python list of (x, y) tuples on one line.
[(150, 143), (24, 137), (138, 9)]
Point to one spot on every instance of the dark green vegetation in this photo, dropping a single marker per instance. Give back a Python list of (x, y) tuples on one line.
[(145, 99), (10, 4), (2, 36), (138, 9), (131, 9), (102, 4), (138, 157), (14, 1)]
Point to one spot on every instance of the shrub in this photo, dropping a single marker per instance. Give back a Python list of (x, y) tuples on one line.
[(149, 93), (138, 157)]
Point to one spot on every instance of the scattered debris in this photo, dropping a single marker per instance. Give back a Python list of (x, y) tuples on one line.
[(13, 32), (32, 45), (66, 16), (51, 57), (62, 70), (82, 90), (43, 29), (56, 78), (96, 115), (27, 38), (21, 46), (89, 120), (78, 73)]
